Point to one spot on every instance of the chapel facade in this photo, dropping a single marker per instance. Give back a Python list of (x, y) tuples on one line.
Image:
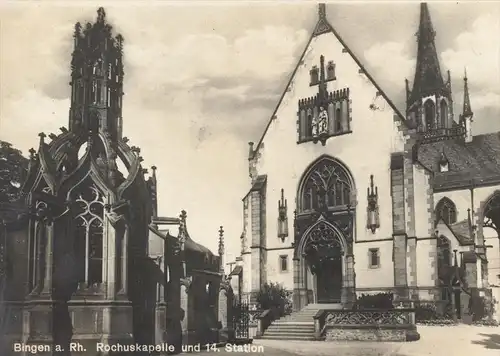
[(350, 195), (85, 258)]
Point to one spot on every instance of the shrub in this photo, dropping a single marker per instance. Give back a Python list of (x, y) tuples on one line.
[(375, 301), (427, 313), (274, 296)]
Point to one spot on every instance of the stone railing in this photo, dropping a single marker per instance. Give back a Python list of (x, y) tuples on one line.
[(366, 324), (264, 320), (440, 133)]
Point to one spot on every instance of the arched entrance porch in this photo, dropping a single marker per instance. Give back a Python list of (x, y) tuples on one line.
[(324, 270), (324, 230)]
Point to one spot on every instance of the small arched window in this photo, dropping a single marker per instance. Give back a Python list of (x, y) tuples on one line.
[(444, 114), (447, 211), (430, 115)]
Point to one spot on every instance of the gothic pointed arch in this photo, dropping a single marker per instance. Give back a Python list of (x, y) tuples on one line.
[(446, 210), (326, 184), (88, 216), (491, 212), (322, 238)]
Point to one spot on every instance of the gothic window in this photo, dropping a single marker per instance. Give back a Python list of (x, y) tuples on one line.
[(330, 71), (314, 73), (430, 115), (338, 120), (284, 263), (444, 113), (374, 257), (36, 251), (326, 186), (89, 236), (447, 211), (309, 126)]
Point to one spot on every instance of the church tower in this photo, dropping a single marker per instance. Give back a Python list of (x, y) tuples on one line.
[(97, 79), (429, 103)]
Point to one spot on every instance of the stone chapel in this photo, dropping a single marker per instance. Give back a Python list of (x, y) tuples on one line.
[(350, 195), (86, 259)]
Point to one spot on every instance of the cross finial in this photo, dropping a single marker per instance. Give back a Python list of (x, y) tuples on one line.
[(322, 11), (221, 232)]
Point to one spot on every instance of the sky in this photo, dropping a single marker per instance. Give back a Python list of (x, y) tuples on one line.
[(202, 79)]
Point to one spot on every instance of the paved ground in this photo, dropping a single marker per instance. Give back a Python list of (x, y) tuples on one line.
[(462, 340)]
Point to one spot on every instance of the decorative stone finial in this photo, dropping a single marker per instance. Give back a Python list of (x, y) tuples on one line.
[(32, 152), (42, 137), (322, 11)]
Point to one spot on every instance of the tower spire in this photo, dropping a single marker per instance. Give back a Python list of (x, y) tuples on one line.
[(428, 78), (467, 110)]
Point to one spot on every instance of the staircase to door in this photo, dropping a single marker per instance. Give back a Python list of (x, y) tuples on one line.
[(298, 325)]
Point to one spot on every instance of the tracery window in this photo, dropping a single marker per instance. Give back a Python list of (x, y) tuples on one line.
[(326, 186), (89, 236), (447, 211)]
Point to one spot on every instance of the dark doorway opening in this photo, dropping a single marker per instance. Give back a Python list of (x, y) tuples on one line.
[(328, 273)]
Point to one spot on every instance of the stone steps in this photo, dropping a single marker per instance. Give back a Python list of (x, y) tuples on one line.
[(298, 325)]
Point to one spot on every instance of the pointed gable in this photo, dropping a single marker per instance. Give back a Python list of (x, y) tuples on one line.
[(324, 28)]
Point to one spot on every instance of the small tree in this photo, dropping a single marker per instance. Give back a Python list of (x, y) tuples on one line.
[(274, 296), (13, 167)]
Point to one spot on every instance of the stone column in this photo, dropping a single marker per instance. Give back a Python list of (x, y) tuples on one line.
[(348, 296), (48, 259), (296, 286), (400, 274), (303, 282)]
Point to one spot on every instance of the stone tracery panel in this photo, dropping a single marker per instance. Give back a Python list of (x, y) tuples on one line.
[(323, 242), (89, 236), (327, 185), (446, 210)]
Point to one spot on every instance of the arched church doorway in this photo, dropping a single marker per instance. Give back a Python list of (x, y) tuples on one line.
[(323, 252), (324, 221)]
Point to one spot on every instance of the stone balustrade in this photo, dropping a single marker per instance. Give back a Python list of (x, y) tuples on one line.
[(366, 325)]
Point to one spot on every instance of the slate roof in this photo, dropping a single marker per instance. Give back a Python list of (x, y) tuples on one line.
[(477, 162), (460, 230)]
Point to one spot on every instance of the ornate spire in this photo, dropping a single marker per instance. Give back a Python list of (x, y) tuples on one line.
[(428, 78), (97, 79), (221, 250), (467, 110), (322, 26), (221, 241)]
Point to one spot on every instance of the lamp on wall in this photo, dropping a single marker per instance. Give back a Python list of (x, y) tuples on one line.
[(373, 221), (282, 217)]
